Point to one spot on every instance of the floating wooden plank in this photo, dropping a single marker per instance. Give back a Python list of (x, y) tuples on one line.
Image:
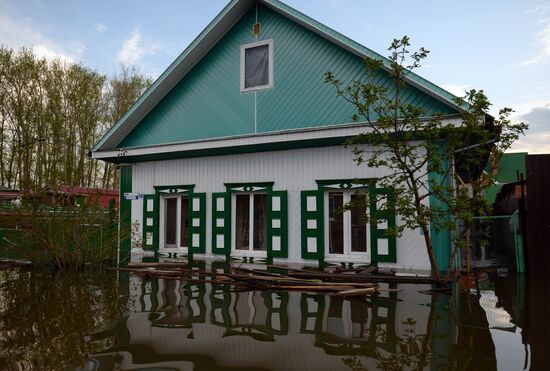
[(158, 265), (334, 277), (356, 292), (316, 288)]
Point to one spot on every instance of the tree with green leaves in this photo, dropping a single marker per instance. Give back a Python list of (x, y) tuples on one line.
[(123, 89), (433, 165), (51, 115)]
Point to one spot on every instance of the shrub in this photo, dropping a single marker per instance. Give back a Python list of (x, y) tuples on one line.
[(63, 237)]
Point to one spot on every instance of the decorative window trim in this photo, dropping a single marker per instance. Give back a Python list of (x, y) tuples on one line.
[(249, 187), (270, 67), (174, 189), (313, 219), (346, 184), (162, 192), (277, 219), (153, 232)]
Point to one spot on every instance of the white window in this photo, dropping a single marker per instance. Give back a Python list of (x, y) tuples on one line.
[(249, 224), (175, 222), (257, 66), (346, 233)]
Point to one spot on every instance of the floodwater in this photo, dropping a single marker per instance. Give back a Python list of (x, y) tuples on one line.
[(115, 321)]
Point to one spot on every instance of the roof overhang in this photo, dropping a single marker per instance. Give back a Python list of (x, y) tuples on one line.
[(259, 142)]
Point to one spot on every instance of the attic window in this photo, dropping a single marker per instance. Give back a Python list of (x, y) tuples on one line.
[(257, 66)]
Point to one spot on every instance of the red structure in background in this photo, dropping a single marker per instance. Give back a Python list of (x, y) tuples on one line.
[(6, 195), (65, 196), (99, 196)]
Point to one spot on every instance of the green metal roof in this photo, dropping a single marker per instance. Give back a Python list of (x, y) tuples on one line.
[(361, 50), (196, 98)]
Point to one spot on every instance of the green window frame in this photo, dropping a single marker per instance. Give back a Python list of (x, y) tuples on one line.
[(277, 218), (196, 231), (384, 244), (197, 226), (313, 235), (221, 223), (150, 222), (277, 224), (382, 220)]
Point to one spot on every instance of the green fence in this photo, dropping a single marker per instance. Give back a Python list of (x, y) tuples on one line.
[(514, 223)]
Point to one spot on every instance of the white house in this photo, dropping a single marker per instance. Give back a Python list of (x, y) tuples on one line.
[(237, 148)]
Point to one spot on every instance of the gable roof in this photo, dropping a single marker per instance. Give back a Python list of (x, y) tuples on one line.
[(210, 36)]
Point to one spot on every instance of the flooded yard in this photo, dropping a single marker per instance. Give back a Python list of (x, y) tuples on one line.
[(116, 321)]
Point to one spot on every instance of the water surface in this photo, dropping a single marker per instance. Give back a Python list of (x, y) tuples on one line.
[(108, 320)]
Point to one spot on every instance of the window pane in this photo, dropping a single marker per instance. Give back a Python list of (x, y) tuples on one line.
[(171, 216), (336, 222), (184, 223), (256, 66), (242, 222), (358, 224), (260, 223)]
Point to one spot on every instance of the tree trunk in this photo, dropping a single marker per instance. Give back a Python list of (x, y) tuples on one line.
[(429, 250)]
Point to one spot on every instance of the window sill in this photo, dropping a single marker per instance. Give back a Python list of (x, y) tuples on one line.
[(249, 254), (256, 88), (172, 250), (365, 259)]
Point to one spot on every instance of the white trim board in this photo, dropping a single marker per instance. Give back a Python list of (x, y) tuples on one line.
[(333, 131)]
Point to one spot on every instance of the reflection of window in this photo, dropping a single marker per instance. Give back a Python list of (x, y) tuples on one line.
[(257, 66), (250, 222), (346, 231)]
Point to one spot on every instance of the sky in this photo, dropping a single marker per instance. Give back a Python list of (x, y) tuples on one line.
[(500, 46)]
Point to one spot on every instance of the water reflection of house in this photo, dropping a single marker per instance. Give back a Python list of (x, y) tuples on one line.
[(172, 324)]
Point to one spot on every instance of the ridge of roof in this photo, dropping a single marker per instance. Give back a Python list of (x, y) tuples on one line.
[(214, 31)]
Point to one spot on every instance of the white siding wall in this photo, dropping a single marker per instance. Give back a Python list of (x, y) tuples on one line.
[(292, 170)]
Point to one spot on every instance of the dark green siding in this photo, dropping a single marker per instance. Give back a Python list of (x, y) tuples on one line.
[(207, 103), (125, 210), (441, 239)]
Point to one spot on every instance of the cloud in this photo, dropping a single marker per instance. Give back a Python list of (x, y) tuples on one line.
[(543, 42), (544, 39), (457, 90), (538, 119), (533, 143), (100, 27), (540, 9), (136, 47), (537, 138), (17, 32)]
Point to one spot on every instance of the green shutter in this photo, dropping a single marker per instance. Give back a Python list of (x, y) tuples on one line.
[(150, 223), (277, 224), (277, 312), (197, 223), (382, 218), (313, 241), (221, 223)]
